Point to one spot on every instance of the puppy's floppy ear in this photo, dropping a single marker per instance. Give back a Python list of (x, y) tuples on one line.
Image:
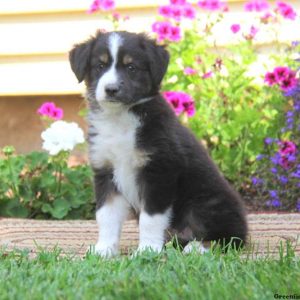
[(79, 58), (159, 60)]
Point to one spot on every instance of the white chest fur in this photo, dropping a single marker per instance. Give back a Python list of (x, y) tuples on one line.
[(113, 144)]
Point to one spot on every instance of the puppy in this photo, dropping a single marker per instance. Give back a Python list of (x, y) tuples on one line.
[(142, 157)]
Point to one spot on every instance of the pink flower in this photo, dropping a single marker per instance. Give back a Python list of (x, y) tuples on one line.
[(176, 12), (288, 82), (286, 10), (256, 5), (283, 76), (270, 78), (287, 148), (266, 18), (189, 71), (107, 4), (57, 114), (281, 73), (101, 5), (175, 34), (189, 12), (180, 102), (211, 5), (235, 28), (252, 34), (165, 11), (49, 109), (166, 31), (177, 2), (163, 29), (207, 75)]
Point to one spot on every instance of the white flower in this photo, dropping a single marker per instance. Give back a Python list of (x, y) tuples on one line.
[(61, 136)]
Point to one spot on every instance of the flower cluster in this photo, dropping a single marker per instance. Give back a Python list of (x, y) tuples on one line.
[(166, 31), (212, 5), (180, 102), (256, 5), (278, 177), (61, 136), (50, 110), (282, 76), (286, 10), (101, 5), (177, 10)]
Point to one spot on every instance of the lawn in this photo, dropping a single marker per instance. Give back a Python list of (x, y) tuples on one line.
[(170, 275)]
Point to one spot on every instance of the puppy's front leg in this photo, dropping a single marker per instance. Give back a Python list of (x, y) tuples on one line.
[(152, 230), (110, 218), (112, 210)]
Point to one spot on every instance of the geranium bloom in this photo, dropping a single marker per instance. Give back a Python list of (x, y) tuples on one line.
[(101, 5), (256, 5), (165, 11), (174, 34), (270, 78), (189, 71), (50, 110), (61, 136), (283, 76), (235, 28), (189, 12), (163, 29), (178, 2), (207, 75), (286, 10), (211, 5), (180, 102), (287, 147)]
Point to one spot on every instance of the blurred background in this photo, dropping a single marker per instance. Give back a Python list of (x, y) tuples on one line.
[(35, 37)]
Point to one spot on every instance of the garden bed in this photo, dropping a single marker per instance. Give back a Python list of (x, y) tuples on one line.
[(268, 231)]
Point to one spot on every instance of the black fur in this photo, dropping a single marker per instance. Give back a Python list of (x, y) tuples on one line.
[(179, 173)]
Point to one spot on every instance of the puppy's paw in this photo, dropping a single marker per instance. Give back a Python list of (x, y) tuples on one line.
[(195, 246), (105, 250)]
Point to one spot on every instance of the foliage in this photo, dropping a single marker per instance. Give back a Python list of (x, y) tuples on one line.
[(169, 275), (36, 186)]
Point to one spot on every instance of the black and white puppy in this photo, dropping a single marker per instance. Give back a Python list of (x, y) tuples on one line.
[(142, 157)]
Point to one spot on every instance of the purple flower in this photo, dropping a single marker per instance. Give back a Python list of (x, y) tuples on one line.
[(235, 28), (257, 181), (256, 5), (273, 194), (273, 170), (269, 141), (298, 205), (283, 179), (275, 159), (274, 203), (260, 157)]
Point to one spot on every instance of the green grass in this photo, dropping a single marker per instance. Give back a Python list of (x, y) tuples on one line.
[(170, 275)]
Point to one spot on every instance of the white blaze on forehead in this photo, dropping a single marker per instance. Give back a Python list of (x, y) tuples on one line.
[(110, 76)]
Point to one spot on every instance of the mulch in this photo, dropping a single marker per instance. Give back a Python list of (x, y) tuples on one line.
[(268, 232)]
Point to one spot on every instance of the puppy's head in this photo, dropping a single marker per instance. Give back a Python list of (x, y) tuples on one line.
[(119, 67)]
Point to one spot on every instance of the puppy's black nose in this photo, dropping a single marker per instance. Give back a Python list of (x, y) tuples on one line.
[(112, 89)]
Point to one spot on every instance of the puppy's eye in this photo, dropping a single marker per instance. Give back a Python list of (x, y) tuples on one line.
[(131, 68), (101, 66)]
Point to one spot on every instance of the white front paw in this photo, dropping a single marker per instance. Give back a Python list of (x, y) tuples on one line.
[(106, 250)]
